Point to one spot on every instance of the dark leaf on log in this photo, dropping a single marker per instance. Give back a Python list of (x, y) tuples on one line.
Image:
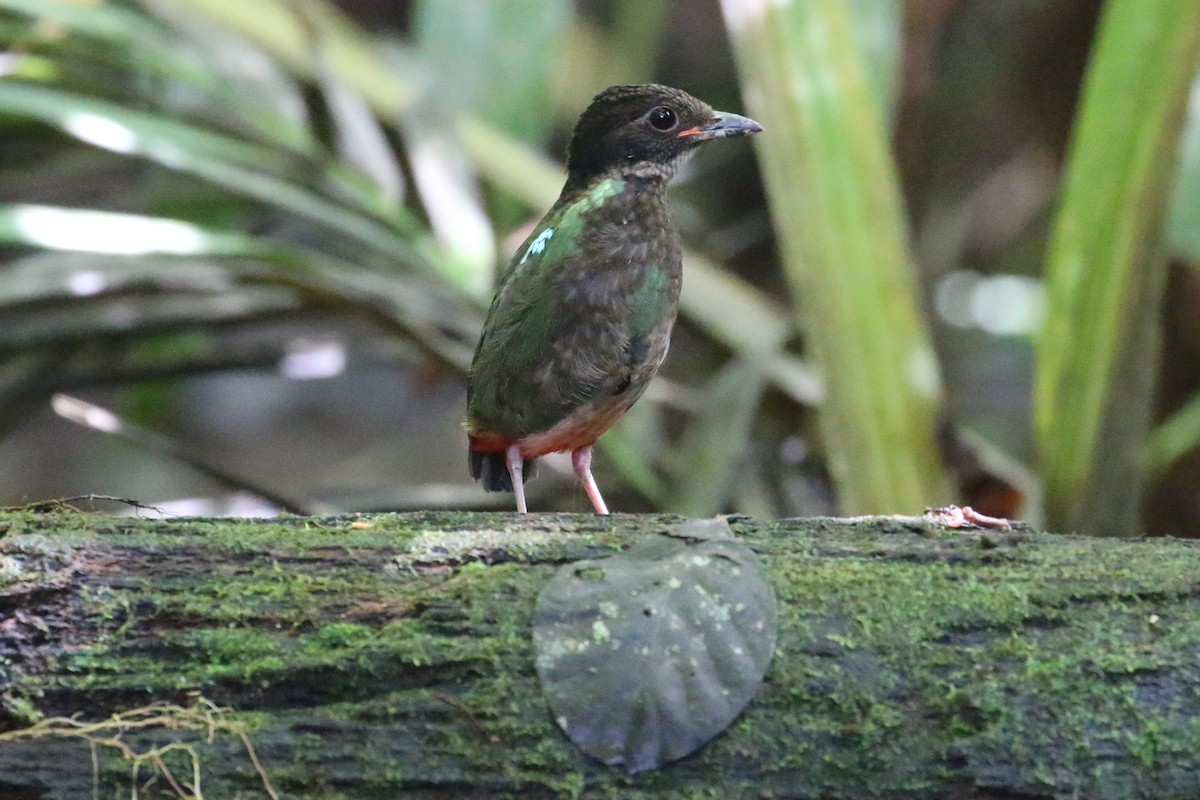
[(646, 655)]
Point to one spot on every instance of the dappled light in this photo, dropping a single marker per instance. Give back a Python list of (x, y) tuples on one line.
[(102, 231)]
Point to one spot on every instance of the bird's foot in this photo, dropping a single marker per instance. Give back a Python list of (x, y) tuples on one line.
[(581, 459), (516, 465)]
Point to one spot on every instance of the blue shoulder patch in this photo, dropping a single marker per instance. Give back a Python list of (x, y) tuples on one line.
[(538, 244)]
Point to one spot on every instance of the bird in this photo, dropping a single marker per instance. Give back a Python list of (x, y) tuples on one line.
[(582, 315)]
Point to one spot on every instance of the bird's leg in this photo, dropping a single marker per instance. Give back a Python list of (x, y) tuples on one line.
[(581, 459), (516, 465)]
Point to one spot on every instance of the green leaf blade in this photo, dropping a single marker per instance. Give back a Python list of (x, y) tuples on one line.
[(836, 207), (1107, 268)]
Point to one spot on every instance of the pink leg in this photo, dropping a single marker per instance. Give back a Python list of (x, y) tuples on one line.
[(515, 466), (581, 459)]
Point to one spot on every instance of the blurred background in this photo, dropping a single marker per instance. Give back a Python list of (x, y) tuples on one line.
[(246, 249)]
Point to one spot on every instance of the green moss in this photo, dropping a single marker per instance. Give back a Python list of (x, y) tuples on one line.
[(21, 711), (1001, 653)]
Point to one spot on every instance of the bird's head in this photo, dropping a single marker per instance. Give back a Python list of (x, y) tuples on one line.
[(646, 130)]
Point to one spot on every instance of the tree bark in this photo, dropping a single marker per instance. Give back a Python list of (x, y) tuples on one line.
[(391, 656)]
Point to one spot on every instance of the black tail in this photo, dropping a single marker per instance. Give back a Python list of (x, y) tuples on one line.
[(492, 469)]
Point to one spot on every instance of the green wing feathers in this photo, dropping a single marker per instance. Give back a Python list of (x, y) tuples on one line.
[(575, 319)]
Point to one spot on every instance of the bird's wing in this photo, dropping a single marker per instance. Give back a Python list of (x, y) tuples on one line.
[(539, 357)]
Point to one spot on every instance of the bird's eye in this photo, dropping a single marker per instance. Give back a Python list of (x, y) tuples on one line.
[(663, 118)]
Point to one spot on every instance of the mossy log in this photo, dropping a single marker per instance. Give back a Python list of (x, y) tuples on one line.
[(391, 656)]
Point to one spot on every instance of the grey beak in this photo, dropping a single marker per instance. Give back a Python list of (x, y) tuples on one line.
[(723, 125)]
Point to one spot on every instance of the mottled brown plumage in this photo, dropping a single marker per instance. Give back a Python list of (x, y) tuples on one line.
[(582, 316)]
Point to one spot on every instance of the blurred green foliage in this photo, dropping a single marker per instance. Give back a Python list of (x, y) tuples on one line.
[(192, 191), (1107, 267), (274, 158), (836, 206)]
